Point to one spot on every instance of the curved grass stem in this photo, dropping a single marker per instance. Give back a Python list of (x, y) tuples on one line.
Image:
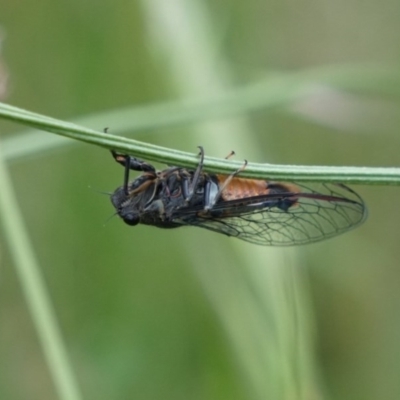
[(354, 175)]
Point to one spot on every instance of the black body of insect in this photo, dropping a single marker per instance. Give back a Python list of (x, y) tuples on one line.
[(258, 211)]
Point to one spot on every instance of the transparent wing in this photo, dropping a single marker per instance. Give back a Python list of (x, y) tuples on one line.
[(313, 213)]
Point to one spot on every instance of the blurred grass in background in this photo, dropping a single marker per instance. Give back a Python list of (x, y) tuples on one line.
[(149, 314)]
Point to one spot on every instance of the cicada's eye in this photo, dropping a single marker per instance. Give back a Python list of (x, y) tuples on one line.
[(131, 219)]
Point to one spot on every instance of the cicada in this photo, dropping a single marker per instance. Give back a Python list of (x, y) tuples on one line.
[(259, 211)]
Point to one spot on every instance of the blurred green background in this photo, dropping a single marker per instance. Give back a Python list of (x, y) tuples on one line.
[(189, 314)]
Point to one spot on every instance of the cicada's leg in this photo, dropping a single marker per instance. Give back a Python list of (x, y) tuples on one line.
[(189, 186), (213, 191), (232, 153), (133, 163)]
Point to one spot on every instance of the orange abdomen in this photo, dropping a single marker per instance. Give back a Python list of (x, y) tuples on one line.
[(240, 188)]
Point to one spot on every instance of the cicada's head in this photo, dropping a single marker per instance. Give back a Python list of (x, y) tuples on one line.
[(126, 206)]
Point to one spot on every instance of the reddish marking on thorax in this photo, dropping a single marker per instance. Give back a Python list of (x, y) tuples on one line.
[(240, 188)]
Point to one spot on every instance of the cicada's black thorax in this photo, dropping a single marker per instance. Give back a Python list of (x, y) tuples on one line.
[(152, 198)]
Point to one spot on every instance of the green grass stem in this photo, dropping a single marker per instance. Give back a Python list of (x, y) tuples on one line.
[(35, 292), (354, 175)]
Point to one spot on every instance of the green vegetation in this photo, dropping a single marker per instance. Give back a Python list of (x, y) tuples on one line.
[(95, 309)]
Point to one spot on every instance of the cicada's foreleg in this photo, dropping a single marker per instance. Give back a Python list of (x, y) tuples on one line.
[(129, 162), (133, 163)]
